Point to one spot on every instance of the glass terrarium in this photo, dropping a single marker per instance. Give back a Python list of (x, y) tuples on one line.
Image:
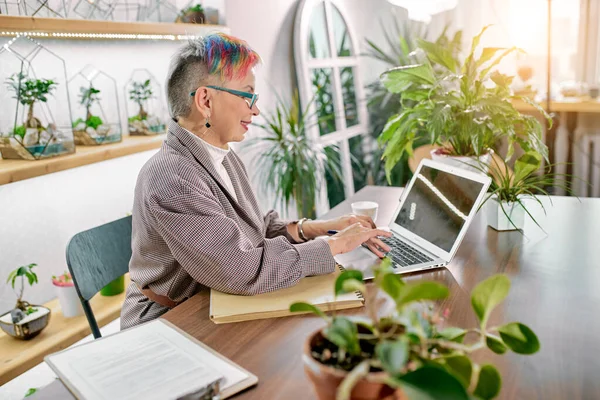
[(164, 10), (35, 121), (145, 112), (95, 107), (37, 8), (94, 9)]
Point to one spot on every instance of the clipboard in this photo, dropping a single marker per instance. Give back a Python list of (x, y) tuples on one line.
[(64, 364)]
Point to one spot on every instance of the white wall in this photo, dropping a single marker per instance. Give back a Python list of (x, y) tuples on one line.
[(39, 215)]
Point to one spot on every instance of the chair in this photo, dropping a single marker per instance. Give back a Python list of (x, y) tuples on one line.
[(95, 258)]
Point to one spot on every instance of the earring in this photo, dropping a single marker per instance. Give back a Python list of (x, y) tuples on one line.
[(207, 124)]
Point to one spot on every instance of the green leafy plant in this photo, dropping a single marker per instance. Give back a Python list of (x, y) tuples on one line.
[(28, 92), (463, 106), (527, 181), (291, 164), (195, 8), (30, 391), (410, 346), (140, 93), (25, 271)]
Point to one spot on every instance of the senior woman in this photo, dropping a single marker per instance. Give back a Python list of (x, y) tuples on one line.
[(196, 222)]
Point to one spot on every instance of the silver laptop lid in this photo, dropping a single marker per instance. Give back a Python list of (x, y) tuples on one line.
[(438, 206)]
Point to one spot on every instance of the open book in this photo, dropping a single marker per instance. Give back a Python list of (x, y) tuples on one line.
[(155, 360), (316, 290)]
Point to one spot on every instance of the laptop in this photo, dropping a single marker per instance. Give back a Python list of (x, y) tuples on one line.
[(432, 218)]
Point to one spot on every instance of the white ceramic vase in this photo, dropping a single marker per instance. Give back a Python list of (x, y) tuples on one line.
[(69, 301), (505, 217), (468, 163)]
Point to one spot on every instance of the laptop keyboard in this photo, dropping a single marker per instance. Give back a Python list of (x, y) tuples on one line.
[(403, 254)]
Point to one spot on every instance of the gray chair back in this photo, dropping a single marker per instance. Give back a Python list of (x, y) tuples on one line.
[(97, 257)]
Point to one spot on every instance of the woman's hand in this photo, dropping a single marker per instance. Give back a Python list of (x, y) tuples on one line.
[(316, 228), (355, 235)]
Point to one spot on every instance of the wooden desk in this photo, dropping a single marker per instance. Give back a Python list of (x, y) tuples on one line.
[(18, 356), (555, 281), (572, 107)]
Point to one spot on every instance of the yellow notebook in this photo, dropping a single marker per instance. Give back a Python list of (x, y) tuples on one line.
[(316, 290)]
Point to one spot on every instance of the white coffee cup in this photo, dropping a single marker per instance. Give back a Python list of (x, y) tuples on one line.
[(368, 208)]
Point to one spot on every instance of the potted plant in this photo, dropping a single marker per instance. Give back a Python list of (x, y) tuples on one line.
[(92, 130), (67, 295), (464, 107), (408, 354), (25, 321), (32, 135), (142, 123), (505, 202), (192, 15), (289, 163)]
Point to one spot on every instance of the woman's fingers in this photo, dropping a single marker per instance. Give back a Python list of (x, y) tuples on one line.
[(375, 250), (380, 244), (366, 221)]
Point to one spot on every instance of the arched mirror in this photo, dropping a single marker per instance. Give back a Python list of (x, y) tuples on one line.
[(327, 65)]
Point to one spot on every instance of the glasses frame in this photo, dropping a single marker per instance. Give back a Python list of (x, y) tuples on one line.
[(253, 97)]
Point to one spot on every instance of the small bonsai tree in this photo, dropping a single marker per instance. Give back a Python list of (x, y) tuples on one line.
[(193, 9), (25, 271), (87, 97), (410, 345), (28, 92), (141, 92)]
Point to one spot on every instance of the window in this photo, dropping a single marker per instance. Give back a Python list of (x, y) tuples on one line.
[(328, 75)]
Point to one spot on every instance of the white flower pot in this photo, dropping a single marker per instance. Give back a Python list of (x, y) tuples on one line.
[(508, 217), (69, 301), (468, 163)]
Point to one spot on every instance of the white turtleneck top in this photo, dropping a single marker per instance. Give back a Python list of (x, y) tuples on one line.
[(217, 155)]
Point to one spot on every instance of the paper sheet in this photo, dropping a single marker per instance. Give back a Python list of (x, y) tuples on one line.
[(152, 361)]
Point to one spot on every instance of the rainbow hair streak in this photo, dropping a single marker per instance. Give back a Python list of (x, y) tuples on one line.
[(228, 56)]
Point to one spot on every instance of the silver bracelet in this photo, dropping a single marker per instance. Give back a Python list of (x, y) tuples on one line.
[(300, 231)]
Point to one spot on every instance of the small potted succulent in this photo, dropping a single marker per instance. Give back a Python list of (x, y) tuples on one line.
[(25, 321), (67, 295), (192, 15), (409, 353), (505, 202)]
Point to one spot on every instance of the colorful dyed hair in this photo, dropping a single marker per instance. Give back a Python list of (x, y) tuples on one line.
[(228, 56)]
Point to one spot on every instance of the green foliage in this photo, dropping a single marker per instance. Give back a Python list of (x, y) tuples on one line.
[(28, 91), (427, 362), (141, 91), (526, 180), (88, 96), (24, 271), (94, 121), (20, 131), (464, 106), (30, 391), (195, 8), (290, 164)]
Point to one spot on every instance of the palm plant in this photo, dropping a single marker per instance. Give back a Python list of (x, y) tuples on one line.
[(464, 106), (291, 165)]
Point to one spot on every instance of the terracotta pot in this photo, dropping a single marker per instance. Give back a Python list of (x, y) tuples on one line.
[(326, 379)]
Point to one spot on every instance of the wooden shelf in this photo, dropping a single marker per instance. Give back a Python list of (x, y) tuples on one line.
[(18, 356), (585, 105), (57, 28), (18, 170)]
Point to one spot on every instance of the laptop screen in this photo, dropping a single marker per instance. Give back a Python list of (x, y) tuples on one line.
[(438, 205)]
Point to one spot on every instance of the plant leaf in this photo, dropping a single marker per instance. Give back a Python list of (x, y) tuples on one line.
[(344, 334), (461, 367), (431, 383), (488, 294), (305, 307), (489, 382), (421, 291), (495, 344), (344, 276), (393, 355), (439, 54), (519, 338), (392, 284), (527, 164), (453, 334)]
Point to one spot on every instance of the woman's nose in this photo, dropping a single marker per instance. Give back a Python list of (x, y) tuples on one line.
[(255, 110)]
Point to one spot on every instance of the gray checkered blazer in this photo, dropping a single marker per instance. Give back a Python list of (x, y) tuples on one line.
[(189, 233)]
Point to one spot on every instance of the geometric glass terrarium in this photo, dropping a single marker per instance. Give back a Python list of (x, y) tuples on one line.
[(35, 121), (145, 115), (36, 8), (95, 107)]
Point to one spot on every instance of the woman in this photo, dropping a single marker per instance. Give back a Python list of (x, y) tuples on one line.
[(196, 221)]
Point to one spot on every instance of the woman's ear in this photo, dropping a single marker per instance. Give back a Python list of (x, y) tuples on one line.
[(203, 101)]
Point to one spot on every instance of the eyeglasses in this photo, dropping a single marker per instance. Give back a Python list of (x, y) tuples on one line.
[(249, 98)]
